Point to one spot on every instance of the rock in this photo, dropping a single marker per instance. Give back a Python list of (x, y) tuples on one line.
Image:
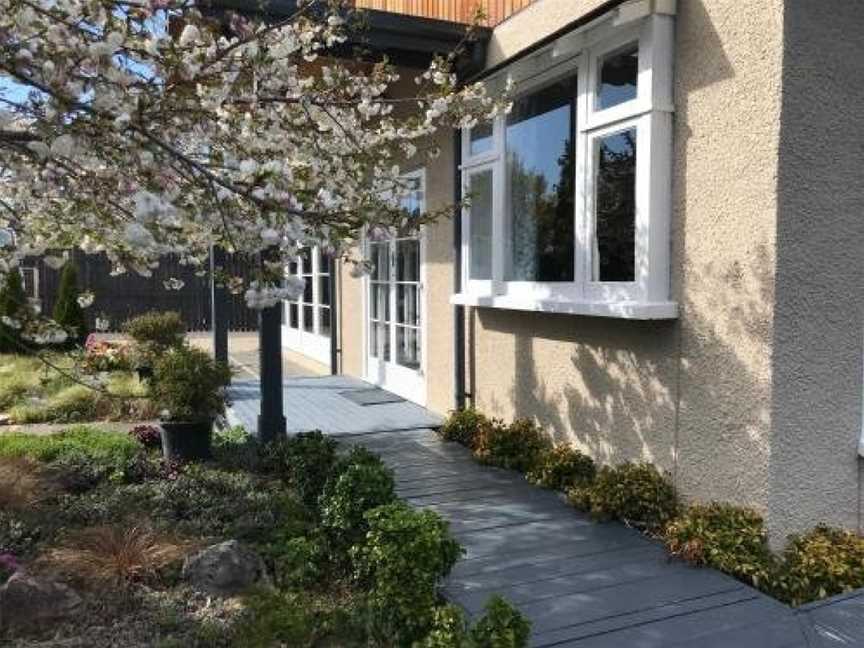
[(225, 568), (26, 599)]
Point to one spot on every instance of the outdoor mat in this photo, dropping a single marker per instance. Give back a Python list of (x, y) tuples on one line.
[(373, 396)]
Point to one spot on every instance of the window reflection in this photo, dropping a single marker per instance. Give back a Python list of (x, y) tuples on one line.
[(540, 179), (480, 224), (615, 241), (619, 74), (481, 139)]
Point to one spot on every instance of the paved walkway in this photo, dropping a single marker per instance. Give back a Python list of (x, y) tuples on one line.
[(582, 584)]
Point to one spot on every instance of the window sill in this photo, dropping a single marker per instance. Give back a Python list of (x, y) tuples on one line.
[(620, 310)]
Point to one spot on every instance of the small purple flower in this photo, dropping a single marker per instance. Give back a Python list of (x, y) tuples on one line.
[(8, 565)]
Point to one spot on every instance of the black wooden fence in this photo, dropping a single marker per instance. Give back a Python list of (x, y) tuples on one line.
[(121, 297)]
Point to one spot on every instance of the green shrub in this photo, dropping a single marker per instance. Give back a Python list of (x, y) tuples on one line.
[(97, 445), (19, 535), (273, 619), (516, 446), (155, 333), (298, 562), (462, 426), (730, 538), (406, 555), (189, 385), (13, 304), (635, 493), (67, 311), (502, 626), (449, 629), (304, 461), (824, 562), (347, 496), (561, 468)]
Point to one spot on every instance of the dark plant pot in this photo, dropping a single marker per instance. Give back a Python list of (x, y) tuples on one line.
[(145, 374), (187, 441)]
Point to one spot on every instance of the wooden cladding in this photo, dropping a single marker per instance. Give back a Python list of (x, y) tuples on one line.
[(453, 10)]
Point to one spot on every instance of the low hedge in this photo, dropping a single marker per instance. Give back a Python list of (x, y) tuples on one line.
[(562, 468), (517, 446)]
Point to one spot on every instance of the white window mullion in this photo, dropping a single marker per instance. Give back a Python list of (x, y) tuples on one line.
[(499, 224), (582, 186)]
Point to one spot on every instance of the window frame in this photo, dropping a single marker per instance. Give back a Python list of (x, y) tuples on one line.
[(311, 343), (650, 113)]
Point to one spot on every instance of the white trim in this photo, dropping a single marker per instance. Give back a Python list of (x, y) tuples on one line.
[(650, 113), (403, 381), (311, 344)]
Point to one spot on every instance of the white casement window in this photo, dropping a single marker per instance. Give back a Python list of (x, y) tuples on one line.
[(569, 196), (306, 322)]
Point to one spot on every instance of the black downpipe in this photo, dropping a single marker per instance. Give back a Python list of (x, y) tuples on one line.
[(335, 314), (458, 309)]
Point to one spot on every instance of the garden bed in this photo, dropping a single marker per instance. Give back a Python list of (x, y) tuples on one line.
[(296, 543)]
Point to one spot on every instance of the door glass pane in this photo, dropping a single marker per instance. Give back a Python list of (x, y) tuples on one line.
[(379, 302), (379, 257), (293, 316), (309, 319), (615, 240), (407, 304), (481, 138), (408, 347), (323, 321), (379, 341), (408, 260), (324, 290), (540, 181), (307, 291), (619, 76), (480, 224), (306, 261)]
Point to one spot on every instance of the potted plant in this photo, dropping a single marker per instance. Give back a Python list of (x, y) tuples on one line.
[(154, 334), (189, 388)]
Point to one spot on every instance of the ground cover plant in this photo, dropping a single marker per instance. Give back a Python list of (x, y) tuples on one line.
[(32, 391), (820, 563), (345, 563)]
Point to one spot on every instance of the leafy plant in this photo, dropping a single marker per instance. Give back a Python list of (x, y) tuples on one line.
[(561, 468), (502, 626), (730, 538), (405, 556), (824, 562), (299, 562), (189, 385), (147, 435), (516, 446), (67, 311), (303, 461), (462, 426), (273, 618), (97, 445), (102, 355), (449, 629), (348, 495), (8, 565), (19, 533), (115, 555), (635, 493), (154, 334)]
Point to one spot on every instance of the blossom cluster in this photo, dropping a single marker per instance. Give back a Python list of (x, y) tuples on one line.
[(148, 128)]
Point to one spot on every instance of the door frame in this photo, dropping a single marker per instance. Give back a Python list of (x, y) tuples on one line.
[(312, 344), (410, 384)]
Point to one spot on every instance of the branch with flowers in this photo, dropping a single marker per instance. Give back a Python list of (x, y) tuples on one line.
[(145, 128)]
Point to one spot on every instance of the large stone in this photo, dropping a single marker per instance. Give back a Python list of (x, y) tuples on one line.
[(26, 599), (225, 568)]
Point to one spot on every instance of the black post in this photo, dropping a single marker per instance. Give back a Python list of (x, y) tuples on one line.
[(219, 311), (271, 419)]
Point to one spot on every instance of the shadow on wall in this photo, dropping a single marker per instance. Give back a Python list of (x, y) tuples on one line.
[(625, 390)]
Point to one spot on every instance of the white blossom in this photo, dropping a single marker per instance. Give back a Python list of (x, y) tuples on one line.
[(85, 299)]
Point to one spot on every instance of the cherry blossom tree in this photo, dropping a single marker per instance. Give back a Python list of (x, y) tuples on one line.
[(143, 128)]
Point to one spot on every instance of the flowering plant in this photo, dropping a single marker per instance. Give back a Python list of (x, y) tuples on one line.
[(156, 127), (8, 566), (102, 355), (146, 435)]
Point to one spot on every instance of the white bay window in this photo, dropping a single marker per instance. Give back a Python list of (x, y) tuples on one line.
[(568, 196)]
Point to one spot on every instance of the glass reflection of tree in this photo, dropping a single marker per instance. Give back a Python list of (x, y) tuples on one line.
[(542, 225), (616, 208)]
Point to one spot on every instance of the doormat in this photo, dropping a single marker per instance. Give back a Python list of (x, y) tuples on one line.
[(372, 396)]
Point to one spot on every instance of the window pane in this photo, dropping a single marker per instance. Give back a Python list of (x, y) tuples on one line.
[(408, 347), (293, 316), (292, 268), (309, 319), (324, 290), (408, 260), (380, 302), (306, 261), (307, 291), (323, 264), (480, 224), (324, 321), (615, 254), (379, 341), (619, 73), (540, 180), (481, 139), (407, 304)]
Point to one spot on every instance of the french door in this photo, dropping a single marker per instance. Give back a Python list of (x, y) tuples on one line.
[(395, 318), (395, 309)]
